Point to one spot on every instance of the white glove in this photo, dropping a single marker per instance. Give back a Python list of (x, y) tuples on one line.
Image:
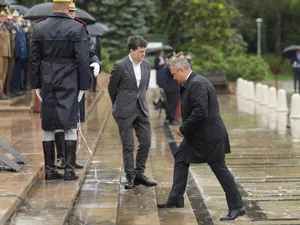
[(96, 67), (80, 95), (38, 94)]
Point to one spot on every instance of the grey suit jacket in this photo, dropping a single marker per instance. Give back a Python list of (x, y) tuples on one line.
[(123, 90)]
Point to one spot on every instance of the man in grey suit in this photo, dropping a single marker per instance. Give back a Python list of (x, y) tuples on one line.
[(205, 139), (127, 89)]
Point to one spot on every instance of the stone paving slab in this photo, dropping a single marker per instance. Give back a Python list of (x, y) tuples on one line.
[(56, 197), (97, 201)]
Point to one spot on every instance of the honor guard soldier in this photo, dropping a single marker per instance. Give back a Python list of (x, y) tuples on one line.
[(58, 71)]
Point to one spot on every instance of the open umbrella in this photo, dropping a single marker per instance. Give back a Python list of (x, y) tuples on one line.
[(290, 52), (45, 10), (7, 2), (96, 29), (164, 47), (20, 8)]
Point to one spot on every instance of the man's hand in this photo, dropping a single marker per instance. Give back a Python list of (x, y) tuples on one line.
[(178, 132), (80, 95), (38, 94), (96, 67)]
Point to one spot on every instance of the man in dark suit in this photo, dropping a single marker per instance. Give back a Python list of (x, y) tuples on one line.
[(205, 139), (127, 88), (295, 61)]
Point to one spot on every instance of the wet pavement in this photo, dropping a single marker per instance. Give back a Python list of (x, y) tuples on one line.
[(265, 161)]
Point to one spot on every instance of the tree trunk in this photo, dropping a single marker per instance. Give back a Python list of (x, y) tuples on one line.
[(278, 32)]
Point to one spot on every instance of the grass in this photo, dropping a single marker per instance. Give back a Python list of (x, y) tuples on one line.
[(286, 69)]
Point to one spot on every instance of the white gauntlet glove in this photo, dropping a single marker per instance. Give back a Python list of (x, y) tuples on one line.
[(96, 67), (38, 94), (80, 95)]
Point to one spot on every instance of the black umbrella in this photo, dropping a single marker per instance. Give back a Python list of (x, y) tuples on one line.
[(45, 10), (7, 2), (157, 49), (20, 8), (290, 52), (96, 29)]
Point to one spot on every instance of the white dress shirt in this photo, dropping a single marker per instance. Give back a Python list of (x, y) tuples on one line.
[(137, 71), (188, 76)]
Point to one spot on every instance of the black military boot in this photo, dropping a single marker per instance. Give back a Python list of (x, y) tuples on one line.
[(70, 152), (51, 172), (60, 150)]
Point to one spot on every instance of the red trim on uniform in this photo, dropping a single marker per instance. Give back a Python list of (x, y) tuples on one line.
[(39, 20), (79, 20)]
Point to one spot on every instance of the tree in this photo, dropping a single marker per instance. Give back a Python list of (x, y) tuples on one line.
[(124, 18)]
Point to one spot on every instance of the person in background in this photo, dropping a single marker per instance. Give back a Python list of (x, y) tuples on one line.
[(5, 53), (20, 56), (296, 70), (9, 25)]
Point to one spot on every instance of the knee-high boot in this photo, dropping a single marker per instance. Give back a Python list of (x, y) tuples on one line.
[(70, 156), (60, 150), (51, 172)]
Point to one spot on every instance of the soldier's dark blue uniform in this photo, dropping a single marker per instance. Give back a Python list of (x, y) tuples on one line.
[(59, 64)]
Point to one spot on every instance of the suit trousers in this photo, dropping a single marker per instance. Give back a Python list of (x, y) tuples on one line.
[(3, 72), (141, 124), (296, 73), (224, 176), (172, 100)]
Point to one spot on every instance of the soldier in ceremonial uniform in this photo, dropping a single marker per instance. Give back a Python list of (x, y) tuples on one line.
[(12, 32), (5, 53), (58, 71), (59, 136)]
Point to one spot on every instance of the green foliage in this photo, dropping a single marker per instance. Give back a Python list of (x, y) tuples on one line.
[(241, 65), (124, 18), (107, 64), (248, 67)]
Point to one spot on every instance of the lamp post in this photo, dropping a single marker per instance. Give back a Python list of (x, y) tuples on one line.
[(259, 21)]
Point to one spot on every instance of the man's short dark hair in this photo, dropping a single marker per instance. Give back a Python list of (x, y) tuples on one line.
[(133, 42)]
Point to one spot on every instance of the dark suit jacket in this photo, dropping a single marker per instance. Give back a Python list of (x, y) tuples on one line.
[(123, 90), (156, 63), (205, 135)]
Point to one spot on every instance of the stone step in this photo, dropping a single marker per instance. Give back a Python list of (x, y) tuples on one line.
[(97, 201), (51, 201)]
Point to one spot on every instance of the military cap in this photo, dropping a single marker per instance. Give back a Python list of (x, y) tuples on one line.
[(15, 14), (72, 7), (2, 13), (62, 1), (9, 16)]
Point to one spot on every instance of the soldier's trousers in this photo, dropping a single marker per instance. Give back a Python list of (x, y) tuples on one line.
[(3, 72)]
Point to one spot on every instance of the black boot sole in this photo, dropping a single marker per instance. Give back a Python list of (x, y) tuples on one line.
[(71, 178)]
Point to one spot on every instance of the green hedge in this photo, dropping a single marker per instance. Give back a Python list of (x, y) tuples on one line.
[(242, 65)]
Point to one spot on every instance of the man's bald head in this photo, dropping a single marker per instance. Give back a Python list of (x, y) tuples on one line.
[(61, 7)]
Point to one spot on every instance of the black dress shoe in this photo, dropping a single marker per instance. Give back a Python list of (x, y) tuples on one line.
[(130, 184), (233, 214), (70, 175), (169, 204), (55, 175), (142, 179), (78, 165)]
